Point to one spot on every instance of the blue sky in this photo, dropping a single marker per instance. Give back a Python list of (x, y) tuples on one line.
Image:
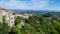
[(31, 4)]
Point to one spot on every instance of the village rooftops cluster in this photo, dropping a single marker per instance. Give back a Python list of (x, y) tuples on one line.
[(25, 15)]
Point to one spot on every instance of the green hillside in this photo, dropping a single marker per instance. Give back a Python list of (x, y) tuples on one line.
[(37, 24)]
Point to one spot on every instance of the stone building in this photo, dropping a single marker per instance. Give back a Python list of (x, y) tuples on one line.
[(9, 16)]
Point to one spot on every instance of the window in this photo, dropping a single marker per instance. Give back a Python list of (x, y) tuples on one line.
[(11, 21), (11, 18), (13, 13)]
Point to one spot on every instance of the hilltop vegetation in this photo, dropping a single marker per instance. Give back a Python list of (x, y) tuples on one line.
[(37, 24)]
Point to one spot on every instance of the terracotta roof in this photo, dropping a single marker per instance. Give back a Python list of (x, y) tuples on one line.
[(1, 9)]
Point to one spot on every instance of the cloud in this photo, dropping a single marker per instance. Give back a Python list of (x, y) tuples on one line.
[(24, 4)]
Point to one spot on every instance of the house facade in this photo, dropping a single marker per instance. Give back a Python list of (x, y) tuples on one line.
[(9, 16)]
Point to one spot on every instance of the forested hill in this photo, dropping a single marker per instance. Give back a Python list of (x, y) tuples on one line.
[(54, 14)]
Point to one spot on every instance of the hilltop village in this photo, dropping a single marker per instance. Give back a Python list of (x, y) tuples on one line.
[(10, 16)]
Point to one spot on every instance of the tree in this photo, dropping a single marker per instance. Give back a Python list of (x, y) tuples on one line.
[(16, 30), (18, 20), (4, 27)]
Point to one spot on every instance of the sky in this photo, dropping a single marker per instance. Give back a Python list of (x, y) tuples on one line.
[(31, 4)]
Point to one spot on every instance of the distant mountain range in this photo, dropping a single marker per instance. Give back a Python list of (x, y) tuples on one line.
[(33, 11)]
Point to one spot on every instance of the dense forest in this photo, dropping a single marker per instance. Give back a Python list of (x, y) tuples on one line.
[(37, 24)]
